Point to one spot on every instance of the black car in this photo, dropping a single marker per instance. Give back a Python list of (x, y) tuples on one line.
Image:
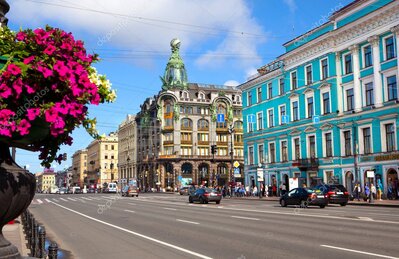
[(336, 193), (205, 195), (304, 197)]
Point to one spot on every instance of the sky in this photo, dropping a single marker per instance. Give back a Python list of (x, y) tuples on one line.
[(223, 42)]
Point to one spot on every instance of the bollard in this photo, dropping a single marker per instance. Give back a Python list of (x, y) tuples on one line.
[(42, 242), (36, 248), (33, 239), (52, 251)]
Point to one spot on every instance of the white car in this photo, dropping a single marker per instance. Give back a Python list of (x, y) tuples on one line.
[(112, 188)]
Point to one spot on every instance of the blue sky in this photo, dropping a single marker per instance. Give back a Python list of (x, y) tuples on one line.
[(223, 42)]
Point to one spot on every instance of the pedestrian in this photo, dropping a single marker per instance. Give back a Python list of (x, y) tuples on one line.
[(274, 190), (247, 191), (357, 192), (266, 190), (255, 191), (366, 192), (283, 188), (373, 191), (379, 190)]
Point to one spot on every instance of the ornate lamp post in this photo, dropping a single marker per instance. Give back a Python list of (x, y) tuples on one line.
[(4, 8)]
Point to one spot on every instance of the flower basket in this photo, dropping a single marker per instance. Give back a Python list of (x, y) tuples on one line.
[(46, 84)]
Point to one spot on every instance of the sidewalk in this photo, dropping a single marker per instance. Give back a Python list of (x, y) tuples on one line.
[(14, 234), (382, 203)]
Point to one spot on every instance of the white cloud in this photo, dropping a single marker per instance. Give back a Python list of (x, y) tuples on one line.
[(231, 83), (250, 72), (212, 27), (291, 5)]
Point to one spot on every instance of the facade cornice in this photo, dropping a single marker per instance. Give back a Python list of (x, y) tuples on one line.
[(260, 79), (343, 37)]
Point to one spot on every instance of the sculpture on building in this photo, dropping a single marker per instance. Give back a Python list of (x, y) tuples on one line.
[(175, 73), (230, 113), (4, 8), (213, 109), (176, 111), (159, 112)]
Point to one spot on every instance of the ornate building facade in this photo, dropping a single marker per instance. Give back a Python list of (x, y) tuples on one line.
[(79, 167), (177, 127), (127, 149), (327, 110)]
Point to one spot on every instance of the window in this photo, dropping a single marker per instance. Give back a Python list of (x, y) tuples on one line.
[(390, 136), (368, 60), (112, 147), (284, 151), (260, 120), (326, 103), (369, 94), (250, 125), (328, 144), (281, 86), (203, 125), (203, 137), (249, 98), (350, 100), (312, 146), (272, 152), (106, 147), (348, 63), (294, 84), (308, 71), (282, 114), (389, 48), (392, 88), (310, 106), (260, 153), (367, 140), (347, 141), (251, 155), (295, 111), (270, 114), (297, 149), (324, 69), (259, 94), (106, 157), (269, 90)]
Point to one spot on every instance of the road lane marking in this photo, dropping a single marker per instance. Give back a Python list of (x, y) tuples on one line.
[(169, 209), (366, 218), (186, 221), (71, 199), (131, 203), (63, 199), (86, 198), (48, 200), (239, 217), (131, 211), (359, 252), (220, 207), (138, 234), (39, 201), (55, 200)]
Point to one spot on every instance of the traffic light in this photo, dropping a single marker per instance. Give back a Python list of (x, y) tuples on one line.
[(214, 149), (64, 156)]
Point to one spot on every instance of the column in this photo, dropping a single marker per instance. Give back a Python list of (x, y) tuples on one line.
[(395, 31), (374, 41), (354, 49), (339, 82)]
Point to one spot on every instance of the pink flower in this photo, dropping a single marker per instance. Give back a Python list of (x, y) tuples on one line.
[(5, 91), (61, 108), (45, 71), (51, 115), (14, 69), (28, 60), (49, 50), (21, 36), (29, 89), (33, 113), (18, 87), (66, 46), (95, 99), (60, 68), (23, 127)]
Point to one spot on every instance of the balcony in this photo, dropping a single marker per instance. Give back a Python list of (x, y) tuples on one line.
[(222, 143), (186, 142), (203, 143), (167, 156), (222, 130), (186, 128), (307, 164), (238, 130), (168, 142), (239, 144), (204, 129), (168, 128)]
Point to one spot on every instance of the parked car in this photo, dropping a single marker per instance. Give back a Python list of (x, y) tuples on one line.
[(111, 188), (91, 190), (304, 197), (63, 190), (336, 193), (130, 191), (205, 195), (186, 190), (77, 190)]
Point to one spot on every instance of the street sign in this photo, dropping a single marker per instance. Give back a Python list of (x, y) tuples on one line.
[(251, 118), (237, 172), (316, 119), (220, 117), (259, 173), (180, 177), (236, 164), (284, 119)]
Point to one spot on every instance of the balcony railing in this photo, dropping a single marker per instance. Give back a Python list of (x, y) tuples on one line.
[(203, 143), (307, 164), (168, 142), (186, 128), (168, 128), (222, 143), (187, 142), (222, 130)]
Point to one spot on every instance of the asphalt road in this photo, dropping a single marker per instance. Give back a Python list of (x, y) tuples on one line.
[(167, 226)]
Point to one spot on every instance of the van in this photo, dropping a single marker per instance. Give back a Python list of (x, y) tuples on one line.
[(112, 188)]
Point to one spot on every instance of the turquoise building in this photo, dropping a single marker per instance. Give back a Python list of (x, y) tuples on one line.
[(327, 110)]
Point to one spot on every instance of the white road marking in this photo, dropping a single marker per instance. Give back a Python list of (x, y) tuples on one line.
[(131, 211), (359, 252), (238, 217), (71, 199), (169, 209), (220, 207), (137, 234), (63, 199), (48, 200), (132, 203), (55, 200), (204, 205), (39, 201), (186, 221), (366, 218), (86, 198)]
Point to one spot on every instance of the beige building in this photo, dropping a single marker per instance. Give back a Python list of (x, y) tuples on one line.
[(102, 161), (45, 181), (79, 167), (127, 152)]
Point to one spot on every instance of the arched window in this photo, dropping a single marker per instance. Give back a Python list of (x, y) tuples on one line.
[(238, 125), (203, 125), (186, 123), (168, 107), (187, 168)]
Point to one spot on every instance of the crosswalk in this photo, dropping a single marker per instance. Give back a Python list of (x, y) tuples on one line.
[(41, 201)]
